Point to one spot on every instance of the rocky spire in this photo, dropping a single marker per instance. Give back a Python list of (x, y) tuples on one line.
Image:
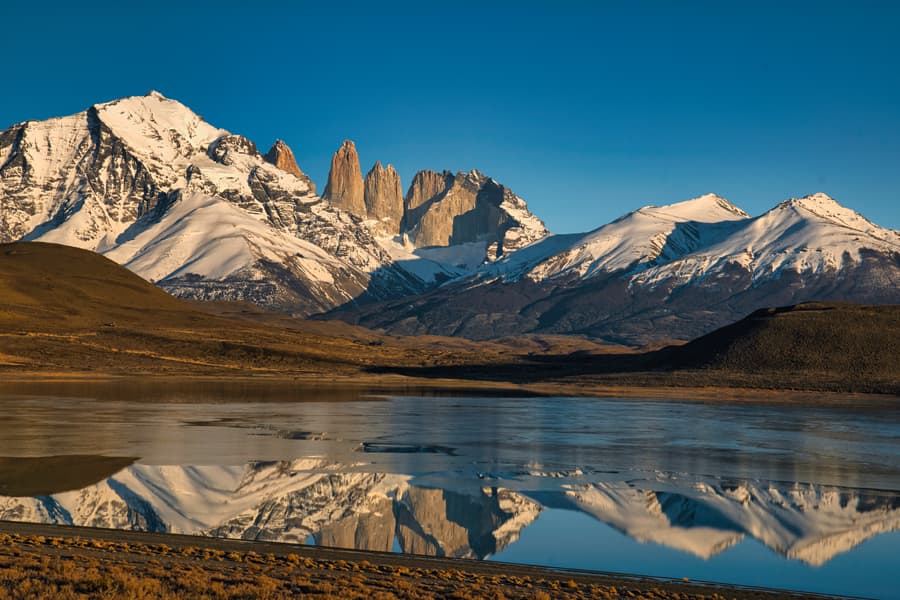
[(281, 156), (345, 184), (384, 196)]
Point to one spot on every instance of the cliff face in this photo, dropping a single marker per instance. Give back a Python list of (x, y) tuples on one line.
[(384, 197), (281, 156), (344, 189), (427, 185), (439, 209), (444, 210)]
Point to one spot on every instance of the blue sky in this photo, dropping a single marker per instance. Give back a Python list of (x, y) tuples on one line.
[(585, 109)]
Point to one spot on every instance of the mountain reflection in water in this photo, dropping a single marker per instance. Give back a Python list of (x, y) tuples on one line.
[(792, 496), (295, 501)]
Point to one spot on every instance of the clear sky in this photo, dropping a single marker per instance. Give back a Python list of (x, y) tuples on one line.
[(585, 109)]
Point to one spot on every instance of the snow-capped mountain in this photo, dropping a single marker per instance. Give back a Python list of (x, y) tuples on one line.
[(652, 233), (200, 212), (203, 214), (290, 501), (669, 272), (193, 208)]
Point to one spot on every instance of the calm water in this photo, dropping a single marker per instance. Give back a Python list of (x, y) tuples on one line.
[(779, 496)]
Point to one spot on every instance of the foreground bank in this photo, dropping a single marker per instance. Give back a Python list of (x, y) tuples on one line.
[(65, 562)]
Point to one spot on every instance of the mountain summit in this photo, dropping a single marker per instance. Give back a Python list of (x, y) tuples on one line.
[(281, 155)]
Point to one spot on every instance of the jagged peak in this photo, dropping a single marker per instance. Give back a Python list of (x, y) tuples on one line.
[(347, 145), (155, 94), (378, 167)]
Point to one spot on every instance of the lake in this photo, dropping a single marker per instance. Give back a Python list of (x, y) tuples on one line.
[(783, 496)]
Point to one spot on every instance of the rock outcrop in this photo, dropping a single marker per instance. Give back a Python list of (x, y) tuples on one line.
[(281, 155), (444, 210), (344, 189), (384, 197)]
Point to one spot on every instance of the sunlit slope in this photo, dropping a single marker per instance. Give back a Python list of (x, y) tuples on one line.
[(48, 286)]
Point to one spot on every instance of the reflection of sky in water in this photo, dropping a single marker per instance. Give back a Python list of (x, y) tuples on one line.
[(563, 464), (574, 540)]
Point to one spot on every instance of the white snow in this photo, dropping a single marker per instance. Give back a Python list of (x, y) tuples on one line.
[(431, 263), (810, 235), (210, 237), (285, 501), (229, 216), (163, 130), (639, 237)]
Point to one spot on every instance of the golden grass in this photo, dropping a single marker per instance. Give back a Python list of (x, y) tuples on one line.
[(68, 568)]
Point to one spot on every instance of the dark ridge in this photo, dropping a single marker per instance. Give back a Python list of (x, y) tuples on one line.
[(833, 339)]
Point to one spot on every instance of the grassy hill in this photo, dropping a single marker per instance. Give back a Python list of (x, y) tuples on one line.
[(63, 309), (829, 342)]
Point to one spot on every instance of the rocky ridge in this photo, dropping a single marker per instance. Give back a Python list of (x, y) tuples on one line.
[(439, 210), (300, 501)]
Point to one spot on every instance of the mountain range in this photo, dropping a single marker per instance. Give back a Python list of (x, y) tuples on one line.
[(203, 214)]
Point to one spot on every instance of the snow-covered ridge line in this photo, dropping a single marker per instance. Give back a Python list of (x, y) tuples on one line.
[(687, 239), (662, 273)]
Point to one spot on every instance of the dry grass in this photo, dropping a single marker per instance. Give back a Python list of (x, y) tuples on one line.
[(33, 566)]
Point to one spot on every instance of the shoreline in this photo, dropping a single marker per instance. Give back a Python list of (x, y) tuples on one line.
[(402, 384), (279, 566)]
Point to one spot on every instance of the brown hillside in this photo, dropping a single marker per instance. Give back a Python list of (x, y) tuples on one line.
[(834, 341), (64, 309)]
